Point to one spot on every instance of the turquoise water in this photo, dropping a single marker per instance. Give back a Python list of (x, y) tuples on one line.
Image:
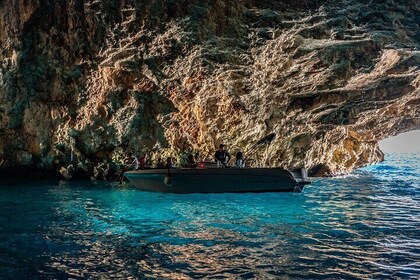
[(365, 225)]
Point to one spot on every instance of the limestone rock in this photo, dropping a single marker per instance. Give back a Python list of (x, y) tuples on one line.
[(83, 81)]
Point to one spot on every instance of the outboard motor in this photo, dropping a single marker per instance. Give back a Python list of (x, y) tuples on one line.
[(300, 175), (304, 173)]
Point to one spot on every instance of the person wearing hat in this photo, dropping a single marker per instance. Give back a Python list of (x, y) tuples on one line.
[(222, 156)]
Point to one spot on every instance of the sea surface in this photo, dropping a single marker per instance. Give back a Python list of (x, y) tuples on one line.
[(365, 225)]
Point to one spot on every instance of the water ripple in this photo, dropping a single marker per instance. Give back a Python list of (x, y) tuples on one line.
[(360, 226)]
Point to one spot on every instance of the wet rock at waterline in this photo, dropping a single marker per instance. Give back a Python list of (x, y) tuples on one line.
[(83, 81)]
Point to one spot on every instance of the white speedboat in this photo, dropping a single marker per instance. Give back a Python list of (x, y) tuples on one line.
[(218, 180)]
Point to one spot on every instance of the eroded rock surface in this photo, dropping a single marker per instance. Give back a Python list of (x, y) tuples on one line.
[(83, 81)]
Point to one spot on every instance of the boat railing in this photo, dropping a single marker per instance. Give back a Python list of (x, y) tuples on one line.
[(299, 173)]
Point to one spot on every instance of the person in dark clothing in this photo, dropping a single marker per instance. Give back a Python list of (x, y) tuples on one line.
[(191, 161), (169, 163), (222, 156), (160, 164)]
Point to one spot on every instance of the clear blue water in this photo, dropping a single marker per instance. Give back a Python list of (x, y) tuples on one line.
[(365, 225)]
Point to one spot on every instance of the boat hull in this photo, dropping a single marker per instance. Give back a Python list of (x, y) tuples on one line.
[(216, 180)]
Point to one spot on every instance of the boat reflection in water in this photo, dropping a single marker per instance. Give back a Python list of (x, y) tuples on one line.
[(207, 178)]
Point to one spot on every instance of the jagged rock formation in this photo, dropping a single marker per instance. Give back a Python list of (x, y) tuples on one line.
[(83, 81)]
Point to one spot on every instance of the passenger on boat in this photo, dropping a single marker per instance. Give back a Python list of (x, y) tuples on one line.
[(240, 163), (222, 156), (143, 161), (131, 162), (160, 163), (191, 161), (169, 163)]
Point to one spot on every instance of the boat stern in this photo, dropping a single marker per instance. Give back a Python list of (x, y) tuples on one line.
[(301, 177)]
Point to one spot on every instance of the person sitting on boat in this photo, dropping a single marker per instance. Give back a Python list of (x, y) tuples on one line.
[(143, 161), (222, 156), (131, 162), (240, 163), (169, 163), (160, 163), (191, 162)]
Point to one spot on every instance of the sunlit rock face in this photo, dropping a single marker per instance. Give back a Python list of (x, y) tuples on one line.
[(82, 82)]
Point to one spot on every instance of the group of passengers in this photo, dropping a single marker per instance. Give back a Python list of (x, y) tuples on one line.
[(222, 158), (132, 162)]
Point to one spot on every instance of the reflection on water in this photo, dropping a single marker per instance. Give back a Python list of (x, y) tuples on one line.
[(364, 225)]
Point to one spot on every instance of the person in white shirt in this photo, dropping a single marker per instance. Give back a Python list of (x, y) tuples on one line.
[(131, 162)]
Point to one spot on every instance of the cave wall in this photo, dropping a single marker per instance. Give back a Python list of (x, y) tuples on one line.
[(81, 82)]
